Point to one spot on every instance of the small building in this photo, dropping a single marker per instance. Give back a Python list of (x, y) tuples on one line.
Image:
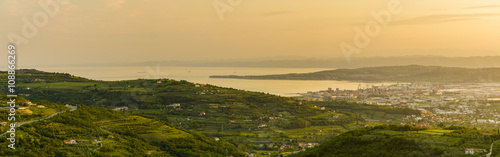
[(40, 106), (248, 154), (216, 139), (3, 123), (474, 150), (175, 105), (121, 109), (70, 141), (311, 145), (202, 114), (482, 121), (262, 125), (302, 145)]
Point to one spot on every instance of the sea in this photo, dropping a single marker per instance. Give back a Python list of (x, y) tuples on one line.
[(201, 75)]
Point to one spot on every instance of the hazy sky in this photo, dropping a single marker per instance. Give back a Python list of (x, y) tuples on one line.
[(100, 31)]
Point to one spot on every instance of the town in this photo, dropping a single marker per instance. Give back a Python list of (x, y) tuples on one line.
[(440, 104)]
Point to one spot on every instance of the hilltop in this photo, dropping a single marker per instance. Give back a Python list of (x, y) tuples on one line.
[(325, 62), (411, 73)]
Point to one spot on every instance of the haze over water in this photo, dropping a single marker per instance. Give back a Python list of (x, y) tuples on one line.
[(201, 75)]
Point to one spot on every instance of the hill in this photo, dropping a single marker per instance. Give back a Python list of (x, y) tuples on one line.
[(411, 73), (33, 75), (326, 62), (398, 140)]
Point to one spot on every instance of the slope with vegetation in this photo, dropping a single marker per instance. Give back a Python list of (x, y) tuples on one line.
[(99, 131), (398, 140)]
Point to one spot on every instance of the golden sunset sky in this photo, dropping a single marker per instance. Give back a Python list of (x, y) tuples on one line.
[(101, 31)]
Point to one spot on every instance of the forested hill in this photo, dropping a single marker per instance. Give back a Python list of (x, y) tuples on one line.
[(33, 75), (411, 73)]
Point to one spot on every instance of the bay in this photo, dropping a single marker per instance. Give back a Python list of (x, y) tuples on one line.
[(201, 75)]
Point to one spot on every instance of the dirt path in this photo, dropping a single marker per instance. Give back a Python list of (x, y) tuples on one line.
[(491, 148), (31, 121)]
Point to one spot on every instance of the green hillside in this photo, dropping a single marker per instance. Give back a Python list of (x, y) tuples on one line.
[(398, 140), (102, 132), (411, 73)]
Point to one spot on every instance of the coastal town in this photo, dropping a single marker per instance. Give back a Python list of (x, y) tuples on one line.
[(451, 104)]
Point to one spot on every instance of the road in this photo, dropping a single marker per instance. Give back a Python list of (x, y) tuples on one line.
[(491, 148), (36, 120)]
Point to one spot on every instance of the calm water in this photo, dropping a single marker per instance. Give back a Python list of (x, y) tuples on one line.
[(200, 75)]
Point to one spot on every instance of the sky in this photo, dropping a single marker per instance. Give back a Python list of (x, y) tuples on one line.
[(121, 31)]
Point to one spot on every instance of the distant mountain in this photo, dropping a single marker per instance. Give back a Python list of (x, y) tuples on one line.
[(296, 62), (469, 62), (411, 73)]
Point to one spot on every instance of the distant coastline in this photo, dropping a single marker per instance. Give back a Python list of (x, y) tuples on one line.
[(411, 73)]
